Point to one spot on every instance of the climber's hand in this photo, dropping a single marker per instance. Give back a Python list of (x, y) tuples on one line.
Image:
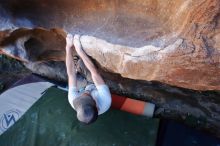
[(77, 43), (69, 41)]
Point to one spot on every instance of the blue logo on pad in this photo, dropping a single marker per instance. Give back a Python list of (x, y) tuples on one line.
[(8, 119)]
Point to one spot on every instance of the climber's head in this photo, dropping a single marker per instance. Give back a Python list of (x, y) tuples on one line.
[(86, 109)]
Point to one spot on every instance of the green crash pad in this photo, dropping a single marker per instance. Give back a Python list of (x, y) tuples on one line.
[(52, 122)]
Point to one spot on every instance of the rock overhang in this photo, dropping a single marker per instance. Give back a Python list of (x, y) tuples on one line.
[(166, 41)]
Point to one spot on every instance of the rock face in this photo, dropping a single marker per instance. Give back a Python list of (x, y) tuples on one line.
[(140, 47), (175, 42), (35, 45)]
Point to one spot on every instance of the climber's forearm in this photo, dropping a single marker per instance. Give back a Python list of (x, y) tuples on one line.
[(87, 61), (69, 61), (96, 77), (70, 66)]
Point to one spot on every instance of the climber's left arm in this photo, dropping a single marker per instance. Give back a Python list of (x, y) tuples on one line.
[(70, 66)]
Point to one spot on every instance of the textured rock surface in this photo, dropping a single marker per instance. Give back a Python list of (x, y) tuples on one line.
[(11, 71), (174, 42)]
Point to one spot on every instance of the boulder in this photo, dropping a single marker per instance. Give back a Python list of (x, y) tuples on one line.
[(175, 42), (152, 50)]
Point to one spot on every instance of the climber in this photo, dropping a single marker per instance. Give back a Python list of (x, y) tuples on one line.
[(95, 99)]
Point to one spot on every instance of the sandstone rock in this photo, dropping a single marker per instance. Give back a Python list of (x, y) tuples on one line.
[(172, 64), (35, 45), (140, 47), (175, 42)]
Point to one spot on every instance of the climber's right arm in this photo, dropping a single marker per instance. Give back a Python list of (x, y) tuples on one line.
[(96, 77)]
